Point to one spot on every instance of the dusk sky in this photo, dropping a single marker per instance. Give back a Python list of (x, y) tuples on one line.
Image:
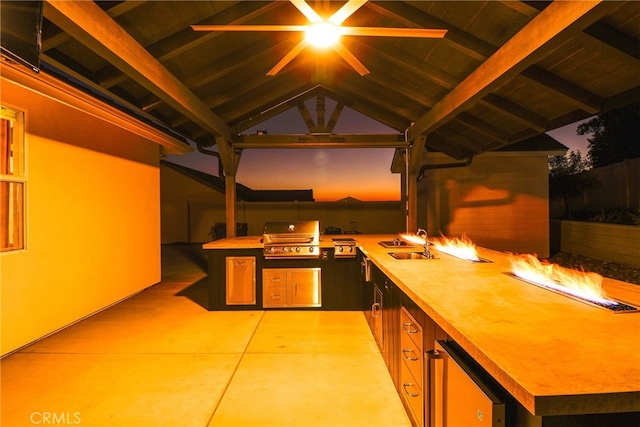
[(332, 174)]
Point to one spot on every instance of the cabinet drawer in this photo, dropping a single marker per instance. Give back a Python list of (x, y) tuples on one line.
[(411, 355), (274, 295), (411, 328), (411, 392)]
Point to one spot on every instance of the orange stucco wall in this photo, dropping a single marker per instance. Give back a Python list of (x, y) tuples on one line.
[(93, 219)]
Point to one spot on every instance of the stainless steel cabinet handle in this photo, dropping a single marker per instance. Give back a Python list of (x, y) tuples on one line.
[(408, 328), (409, 350), (407, 392), (375, 309)]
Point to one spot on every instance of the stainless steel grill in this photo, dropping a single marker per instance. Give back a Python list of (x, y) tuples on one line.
[(291, 239)]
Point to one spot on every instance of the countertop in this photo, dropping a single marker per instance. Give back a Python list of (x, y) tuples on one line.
[(555, 355), (255, 242)]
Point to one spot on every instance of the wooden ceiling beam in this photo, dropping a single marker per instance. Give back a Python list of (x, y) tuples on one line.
[(555, 24), (335, 115), (389, 82), (254, 102), (446, 145), (237, 110), (521, 7), (515, 111), (241, 95), (570, 92), (114, 12), (387, 51), (248, 58), (615, 39), (389, 100), (244, 62), (456, 140), (382, 114), (620, 100), (306, 116), (320, 110), (187, 39), (320, 141), (521, 136), (483, 127), (290, 103), (403, 106), (86, 22), (461, 41)]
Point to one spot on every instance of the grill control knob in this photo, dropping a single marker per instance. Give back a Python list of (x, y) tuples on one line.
[(298, 249), (350, 249), (311, 249), (340, 248)]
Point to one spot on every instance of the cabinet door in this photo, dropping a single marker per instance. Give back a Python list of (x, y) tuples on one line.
[(241, 280), (304, 287)]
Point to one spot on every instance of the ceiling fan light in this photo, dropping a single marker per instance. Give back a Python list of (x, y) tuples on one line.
[(323, 34)]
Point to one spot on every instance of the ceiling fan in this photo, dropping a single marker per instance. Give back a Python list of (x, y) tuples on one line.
[(326, 33)]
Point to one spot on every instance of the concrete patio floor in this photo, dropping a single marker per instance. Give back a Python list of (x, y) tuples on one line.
[(160, 358)]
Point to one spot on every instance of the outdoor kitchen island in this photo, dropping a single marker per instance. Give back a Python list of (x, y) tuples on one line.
[(557, 357)]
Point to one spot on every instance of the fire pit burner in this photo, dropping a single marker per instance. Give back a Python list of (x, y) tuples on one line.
[(611, 305), (477, 260)]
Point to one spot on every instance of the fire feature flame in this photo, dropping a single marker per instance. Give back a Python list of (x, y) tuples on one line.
[(587, 285), (461, 247), (413, 238)]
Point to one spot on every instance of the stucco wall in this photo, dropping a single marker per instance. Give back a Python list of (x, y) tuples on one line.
[(93, 219), (500, 202)]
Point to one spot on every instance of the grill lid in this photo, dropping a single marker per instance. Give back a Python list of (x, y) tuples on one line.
[(304, 232)]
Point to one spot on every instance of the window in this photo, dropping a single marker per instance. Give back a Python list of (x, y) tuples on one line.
[(12, 180)]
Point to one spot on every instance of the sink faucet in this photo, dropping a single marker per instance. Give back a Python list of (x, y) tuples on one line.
[(423, 232)]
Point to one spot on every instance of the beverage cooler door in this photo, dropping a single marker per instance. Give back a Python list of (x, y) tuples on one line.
[(458, 396)]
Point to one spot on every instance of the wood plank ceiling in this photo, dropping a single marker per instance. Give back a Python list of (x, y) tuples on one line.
[(505, 71)]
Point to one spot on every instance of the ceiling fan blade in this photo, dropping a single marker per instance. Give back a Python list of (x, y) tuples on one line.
[(346, 11), (288, 57), (249, 27), (306, 10), (394, 32), (350, 58)]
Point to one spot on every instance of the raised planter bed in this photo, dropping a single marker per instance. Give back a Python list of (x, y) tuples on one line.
[(611, 242)]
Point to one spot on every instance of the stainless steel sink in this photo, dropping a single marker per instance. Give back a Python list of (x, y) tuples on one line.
[(408, 255), (396, 244)]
